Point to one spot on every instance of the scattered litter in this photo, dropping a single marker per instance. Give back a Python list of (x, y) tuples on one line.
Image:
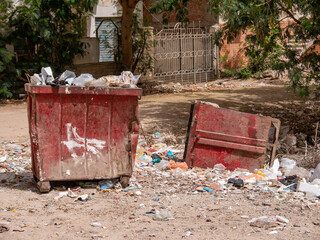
[(308, 188), (138, 193), (61, 194), (3, 229), (182, 165), (83, 198), (129, 188), (208, 189), (108, 183), (236, 182), (268, 222), (96, 224), (163, 215)]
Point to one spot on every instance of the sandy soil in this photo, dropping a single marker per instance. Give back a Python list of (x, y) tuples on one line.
[(225, 215)]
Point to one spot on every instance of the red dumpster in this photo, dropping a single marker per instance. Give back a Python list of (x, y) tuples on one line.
[(235, 139), (82, 134)]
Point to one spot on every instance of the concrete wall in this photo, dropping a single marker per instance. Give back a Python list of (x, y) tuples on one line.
[(232, 53), (96, 69), (92, 52)]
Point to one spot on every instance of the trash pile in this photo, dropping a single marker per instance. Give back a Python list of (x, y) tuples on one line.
[(69, 78), (282, 180), (176, 87), (159, 165), (14, 157)]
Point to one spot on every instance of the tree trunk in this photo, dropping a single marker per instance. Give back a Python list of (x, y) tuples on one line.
[(128, 7)]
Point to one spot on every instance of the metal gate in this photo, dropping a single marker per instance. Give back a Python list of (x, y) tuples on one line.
[(184, 55)]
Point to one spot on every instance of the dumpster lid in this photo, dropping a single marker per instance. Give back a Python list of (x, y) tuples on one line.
[(83, 90)]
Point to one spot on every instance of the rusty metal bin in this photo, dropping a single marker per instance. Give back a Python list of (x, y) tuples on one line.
[(235, 139), (82, 134)]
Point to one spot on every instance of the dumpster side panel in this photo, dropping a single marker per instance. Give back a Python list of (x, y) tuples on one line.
[(235, 139), (48, 129), (208, 156), (98, 136), (33, 134), (123, 115), (233, 123), (73, 123)]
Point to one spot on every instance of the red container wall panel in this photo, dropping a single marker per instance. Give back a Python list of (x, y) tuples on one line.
[(73, 130), (233, 123), (235, 139), (122, 118), (79, 136), (208, 156), (47, 119), (98, 138)]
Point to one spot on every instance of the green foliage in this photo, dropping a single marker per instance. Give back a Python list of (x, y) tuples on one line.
[(166, 7), (267, 44), (8, 80), (141, 48), (229, 73), (43, 33), (48, 32), (242, 73), (264, 53), (245, 73)]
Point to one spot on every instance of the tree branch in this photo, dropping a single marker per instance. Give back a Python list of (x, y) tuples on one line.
[(286, 10)]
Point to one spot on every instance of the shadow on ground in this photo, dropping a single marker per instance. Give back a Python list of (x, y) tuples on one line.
[(170, 112)]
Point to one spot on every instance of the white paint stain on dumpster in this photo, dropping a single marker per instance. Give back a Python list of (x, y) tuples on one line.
[(75, 141)]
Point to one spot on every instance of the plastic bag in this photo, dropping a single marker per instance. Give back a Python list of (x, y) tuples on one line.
[(128, 80), (181, 165), (37, 80), (83, 79), (288, 164), (97, 83), (67, 77), (47, 75), (162, 165)]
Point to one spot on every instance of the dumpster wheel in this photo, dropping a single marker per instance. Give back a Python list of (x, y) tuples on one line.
[(44, 186), (124, 181)]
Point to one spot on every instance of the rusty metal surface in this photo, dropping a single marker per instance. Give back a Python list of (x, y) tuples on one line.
[(79, 134), (235, 139)]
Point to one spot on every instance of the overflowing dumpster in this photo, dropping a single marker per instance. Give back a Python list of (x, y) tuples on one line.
[(235, 139), (81, 133)]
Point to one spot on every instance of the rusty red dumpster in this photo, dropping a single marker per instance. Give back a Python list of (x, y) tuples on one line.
[(82, 134), (235, 139)]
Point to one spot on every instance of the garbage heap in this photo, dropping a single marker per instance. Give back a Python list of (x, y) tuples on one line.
[(282, 179), (69, 78)]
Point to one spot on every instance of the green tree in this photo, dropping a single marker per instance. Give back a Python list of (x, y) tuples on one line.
[(268, 46), (7, 71), (48, 32), (43, 33)]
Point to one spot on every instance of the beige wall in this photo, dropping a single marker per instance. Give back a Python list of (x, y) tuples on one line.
[(96, 69), (92, 52)]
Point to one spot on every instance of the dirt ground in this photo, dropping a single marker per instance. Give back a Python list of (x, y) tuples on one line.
[(122, 214)]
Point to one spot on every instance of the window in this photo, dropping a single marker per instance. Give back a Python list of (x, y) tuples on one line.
[(108, 36)]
